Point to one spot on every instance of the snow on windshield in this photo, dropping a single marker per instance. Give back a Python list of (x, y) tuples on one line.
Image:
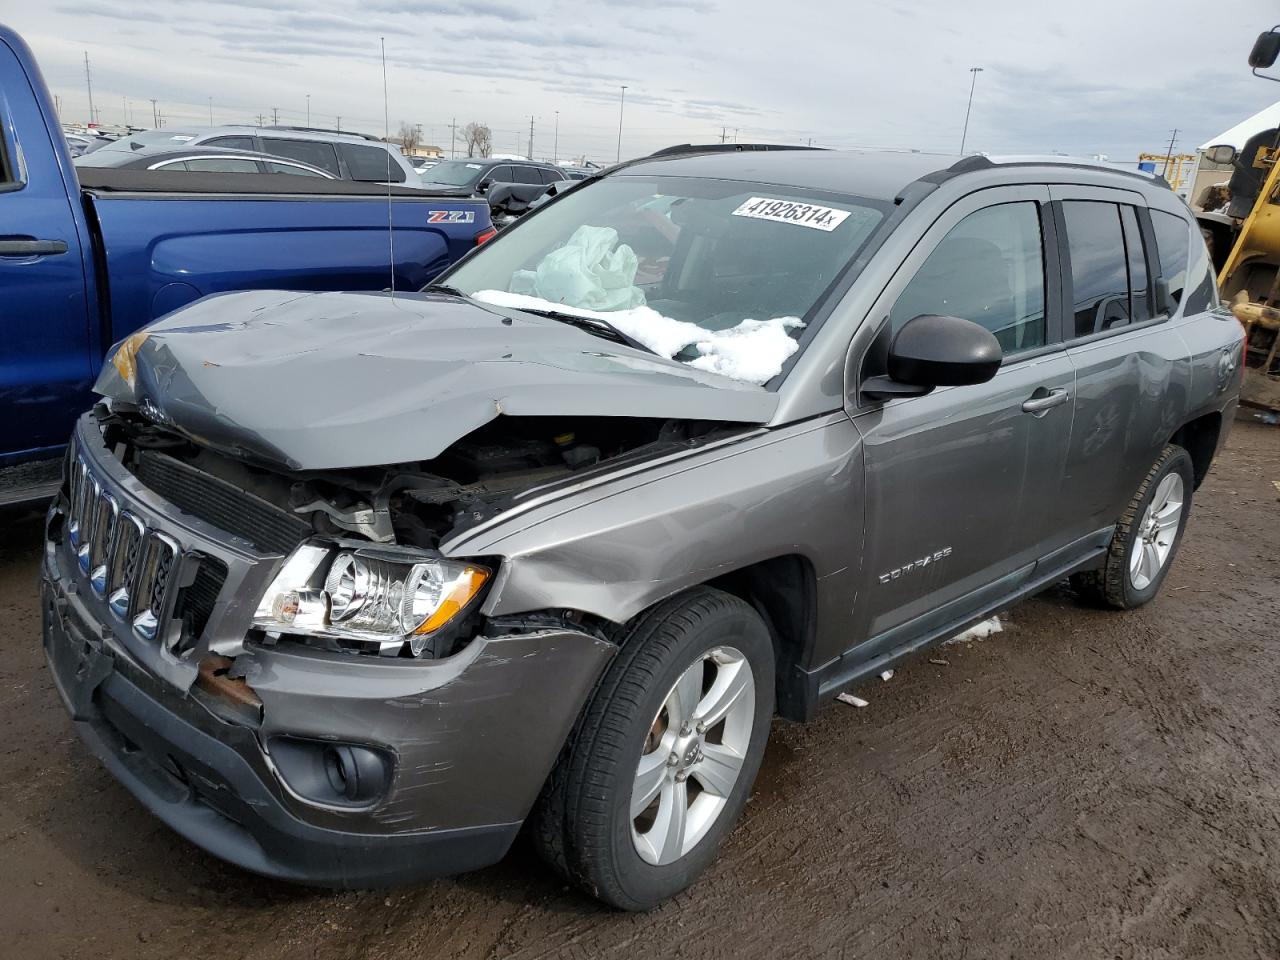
[(592, 276)]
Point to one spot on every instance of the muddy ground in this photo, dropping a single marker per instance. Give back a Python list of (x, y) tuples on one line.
[(1086, 784)]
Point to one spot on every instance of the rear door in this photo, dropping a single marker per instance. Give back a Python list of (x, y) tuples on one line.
[(958, 481), (1131, 387), (47, 344)]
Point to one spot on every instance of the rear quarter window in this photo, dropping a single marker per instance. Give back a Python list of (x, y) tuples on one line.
[(315, 152), (1172, 237), (371, 164)]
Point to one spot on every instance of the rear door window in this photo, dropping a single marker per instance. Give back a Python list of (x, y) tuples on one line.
[(500, 175), (1098, 266), (290, 168), (549, 176), (370, 164), (526, 175), (989, 268), (315, 152)]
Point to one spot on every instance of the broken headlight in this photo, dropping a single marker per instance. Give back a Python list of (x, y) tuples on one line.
[(372, 598)]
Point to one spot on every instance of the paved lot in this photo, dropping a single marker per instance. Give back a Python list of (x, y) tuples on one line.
[(1086, 784)]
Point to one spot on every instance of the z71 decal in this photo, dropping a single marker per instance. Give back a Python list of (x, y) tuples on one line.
[(451, 216)]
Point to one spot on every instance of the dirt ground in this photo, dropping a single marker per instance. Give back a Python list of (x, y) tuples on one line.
[(1085, 784)]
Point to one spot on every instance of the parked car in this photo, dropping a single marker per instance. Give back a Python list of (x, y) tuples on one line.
[(346, 588), (85, 262), (203, 160), (79, 144), (422, 163), (346, 156), (472, 178)]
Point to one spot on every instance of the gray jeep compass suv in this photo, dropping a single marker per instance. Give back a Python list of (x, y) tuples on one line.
[(347, 588)]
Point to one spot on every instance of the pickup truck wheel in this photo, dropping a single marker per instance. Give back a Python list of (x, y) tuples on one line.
[(662, 760), (1146, 538)]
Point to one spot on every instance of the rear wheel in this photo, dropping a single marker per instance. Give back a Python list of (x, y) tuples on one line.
[(662, 761), (1146, 538)]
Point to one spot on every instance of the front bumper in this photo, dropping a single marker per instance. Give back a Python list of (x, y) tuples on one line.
[(470, 738)]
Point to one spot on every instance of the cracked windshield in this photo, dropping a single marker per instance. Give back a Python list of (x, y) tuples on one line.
[(717, 274)]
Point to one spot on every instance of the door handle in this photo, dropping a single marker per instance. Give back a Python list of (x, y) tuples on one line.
[(1055, 397), (30, 247)]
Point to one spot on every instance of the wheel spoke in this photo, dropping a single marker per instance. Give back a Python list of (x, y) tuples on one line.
[(719, 769), (684, 695), (1151, 560), (667, 834), (653, 767), (732, 680)]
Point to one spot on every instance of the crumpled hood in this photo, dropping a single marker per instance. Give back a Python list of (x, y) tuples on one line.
[(331, 380)]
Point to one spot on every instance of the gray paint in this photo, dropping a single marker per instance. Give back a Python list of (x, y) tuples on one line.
[(326, 380), (852, 487)]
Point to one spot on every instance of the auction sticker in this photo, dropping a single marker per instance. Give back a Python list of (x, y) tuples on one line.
[(793, 211)]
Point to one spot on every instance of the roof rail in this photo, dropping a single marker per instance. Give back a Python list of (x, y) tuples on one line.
[(344, 133), (1058, 160), (687, 148)]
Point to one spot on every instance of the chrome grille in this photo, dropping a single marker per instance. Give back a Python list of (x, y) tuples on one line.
[(134, 567)]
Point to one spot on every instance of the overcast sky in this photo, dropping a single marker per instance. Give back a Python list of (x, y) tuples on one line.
[(1082, 77)]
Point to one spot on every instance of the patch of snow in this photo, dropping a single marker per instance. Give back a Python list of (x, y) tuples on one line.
[(979, 631), (753, 351), (851, 700)]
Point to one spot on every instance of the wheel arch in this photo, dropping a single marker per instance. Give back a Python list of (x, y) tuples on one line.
[(783, 590), (1199, 437)]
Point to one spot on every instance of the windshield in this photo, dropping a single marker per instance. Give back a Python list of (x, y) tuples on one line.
[(454, 173), (719, 274), (146, 140)]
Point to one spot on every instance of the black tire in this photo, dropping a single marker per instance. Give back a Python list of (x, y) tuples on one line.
[(581, 823), (1112, 585)]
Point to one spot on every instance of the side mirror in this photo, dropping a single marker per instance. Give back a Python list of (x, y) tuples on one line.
[(1265, 50), (934, 351), (1222, 153)]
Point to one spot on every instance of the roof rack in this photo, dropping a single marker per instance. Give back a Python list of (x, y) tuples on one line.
[(687, 148), (981, 162), (344, 133)]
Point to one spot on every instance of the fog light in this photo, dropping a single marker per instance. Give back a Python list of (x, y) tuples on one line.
[(336, 774)]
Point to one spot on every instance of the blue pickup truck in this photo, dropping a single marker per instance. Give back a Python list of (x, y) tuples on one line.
[(85, 260)]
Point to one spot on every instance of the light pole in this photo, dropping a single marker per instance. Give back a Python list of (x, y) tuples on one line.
[(211, 111), (622, 101), (972, 83), (308, 109), (555, 155)]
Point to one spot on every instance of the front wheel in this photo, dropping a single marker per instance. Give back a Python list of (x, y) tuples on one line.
[(663, 758), (1147, 536)]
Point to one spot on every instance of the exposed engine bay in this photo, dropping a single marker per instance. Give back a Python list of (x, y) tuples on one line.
[(420, 504)]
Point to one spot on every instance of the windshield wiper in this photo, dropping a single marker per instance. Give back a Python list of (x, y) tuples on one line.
[(596, 325), (443, 288)]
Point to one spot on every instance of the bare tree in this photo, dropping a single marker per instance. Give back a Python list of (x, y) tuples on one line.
[(479, 139), (408, 137)]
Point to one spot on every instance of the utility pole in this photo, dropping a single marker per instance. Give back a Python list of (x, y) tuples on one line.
[(418, 144), (339, 123), (453, 138), (724, 134), (308, 109), (967, 110), (622, 102), (531, 138), (155, 113), (88, 82), (211, 111), (555, 155), (57, 105), (1169, 154), (261, 118), (275, 116)]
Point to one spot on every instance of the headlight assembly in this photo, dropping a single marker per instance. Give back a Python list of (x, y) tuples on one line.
[(375, 598)]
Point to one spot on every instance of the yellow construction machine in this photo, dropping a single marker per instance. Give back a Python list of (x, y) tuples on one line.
[(1245, 242)]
